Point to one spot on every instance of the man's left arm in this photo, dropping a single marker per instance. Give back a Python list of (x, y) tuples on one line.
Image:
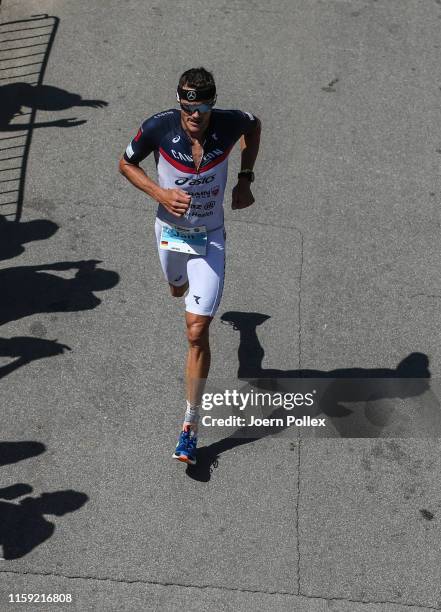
[(249, 147)]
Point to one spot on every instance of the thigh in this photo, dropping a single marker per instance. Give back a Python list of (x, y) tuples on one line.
[(206, 277), (174, 265)]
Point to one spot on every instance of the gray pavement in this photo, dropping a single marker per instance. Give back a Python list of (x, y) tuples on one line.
[(341, 251)]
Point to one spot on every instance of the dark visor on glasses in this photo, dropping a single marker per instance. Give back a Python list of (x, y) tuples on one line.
[(192, 108)]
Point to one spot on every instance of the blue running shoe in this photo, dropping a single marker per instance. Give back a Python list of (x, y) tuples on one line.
[(192, 443), (186, 448)]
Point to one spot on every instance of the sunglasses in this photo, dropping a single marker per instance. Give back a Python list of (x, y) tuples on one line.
[(192, 108)]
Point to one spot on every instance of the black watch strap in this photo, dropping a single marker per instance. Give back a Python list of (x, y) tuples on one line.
[(249, 174)]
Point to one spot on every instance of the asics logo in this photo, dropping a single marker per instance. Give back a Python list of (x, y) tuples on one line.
[(200, 181)]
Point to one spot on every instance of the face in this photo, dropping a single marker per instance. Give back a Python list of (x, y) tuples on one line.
[(197, 122)]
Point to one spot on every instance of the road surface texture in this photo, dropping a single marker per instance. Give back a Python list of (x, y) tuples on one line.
[(340, 252)]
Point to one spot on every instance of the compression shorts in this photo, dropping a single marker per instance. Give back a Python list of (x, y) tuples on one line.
[(204, 273)]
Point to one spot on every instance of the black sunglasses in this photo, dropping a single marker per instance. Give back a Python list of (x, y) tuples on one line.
[(192, 108)]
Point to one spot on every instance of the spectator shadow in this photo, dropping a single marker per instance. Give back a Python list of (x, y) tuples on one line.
[(26, 350), (15, 96), (23, 525), (29, 290), (408, 379), (12, 452), (24, 58), (14, 235)]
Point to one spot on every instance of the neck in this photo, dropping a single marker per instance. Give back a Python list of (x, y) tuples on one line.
[(195, 136), (199, 137)]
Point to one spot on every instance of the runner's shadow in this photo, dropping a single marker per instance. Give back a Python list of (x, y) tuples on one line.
[(14, 96), (14, 235), (339, 385), (30, 289)]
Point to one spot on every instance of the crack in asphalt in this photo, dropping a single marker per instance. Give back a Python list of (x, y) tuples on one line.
[(298, 517), (297, 514), (300, 298), (299, 450), (369, 602), (148, 582), (209, 586)]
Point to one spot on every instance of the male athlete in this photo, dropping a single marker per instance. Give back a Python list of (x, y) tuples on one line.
[(191, 148)]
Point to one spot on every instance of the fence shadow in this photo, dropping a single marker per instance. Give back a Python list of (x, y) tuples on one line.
[(25, 47)]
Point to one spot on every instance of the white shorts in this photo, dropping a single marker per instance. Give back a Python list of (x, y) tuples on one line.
[(204, 273)]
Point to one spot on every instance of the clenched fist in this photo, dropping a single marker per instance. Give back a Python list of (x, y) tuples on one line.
[(175, 201)]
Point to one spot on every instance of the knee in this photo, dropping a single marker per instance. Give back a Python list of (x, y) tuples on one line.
[(178, 291), (197, 333)]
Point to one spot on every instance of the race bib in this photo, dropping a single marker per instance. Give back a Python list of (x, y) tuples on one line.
[(192, 241)]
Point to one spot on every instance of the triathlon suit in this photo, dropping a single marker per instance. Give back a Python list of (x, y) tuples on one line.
[(164, 135)]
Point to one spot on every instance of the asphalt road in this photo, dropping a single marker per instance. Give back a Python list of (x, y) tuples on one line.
[(340, 252)]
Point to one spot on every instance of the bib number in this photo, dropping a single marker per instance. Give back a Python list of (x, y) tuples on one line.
[(192, 241)]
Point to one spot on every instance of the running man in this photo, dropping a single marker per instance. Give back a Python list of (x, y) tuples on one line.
[(191, 148)]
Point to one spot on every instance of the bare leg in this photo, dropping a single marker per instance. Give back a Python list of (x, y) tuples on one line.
[(178, 291), (198, 358)]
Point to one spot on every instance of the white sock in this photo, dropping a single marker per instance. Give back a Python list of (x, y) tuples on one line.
[(191, 417)]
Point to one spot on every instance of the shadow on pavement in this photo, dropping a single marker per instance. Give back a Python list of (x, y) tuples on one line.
[(39, 97), (23, 525), (25, 48), (26, 349), (29, 290), (14, 235), (12, 452), (344, 385)]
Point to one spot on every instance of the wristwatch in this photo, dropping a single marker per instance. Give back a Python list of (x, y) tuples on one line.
[(249, 174)]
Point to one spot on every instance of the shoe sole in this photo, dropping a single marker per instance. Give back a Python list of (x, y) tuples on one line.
[(184, 459)]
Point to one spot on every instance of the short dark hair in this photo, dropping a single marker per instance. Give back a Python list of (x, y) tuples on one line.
[(199, 78)]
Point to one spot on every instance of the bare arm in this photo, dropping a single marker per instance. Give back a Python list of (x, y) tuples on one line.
[(175, 201), (249, 147), (139, 179)]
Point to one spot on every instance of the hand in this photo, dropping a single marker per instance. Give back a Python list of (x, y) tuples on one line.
[(88, 265), (94, 103), (242, 196), (64, 123), (175, 201), (69, 265)]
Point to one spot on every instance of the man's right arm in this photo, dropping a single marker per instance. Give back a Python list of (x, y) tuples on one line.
[(175, 201), (147, 140), (139, 179)]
